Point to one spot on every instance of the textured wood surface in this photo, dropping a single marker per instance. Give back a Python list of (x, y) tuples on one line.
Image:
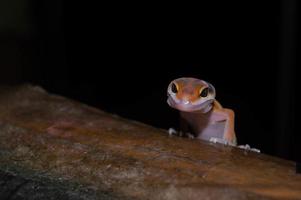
[(55, 148)]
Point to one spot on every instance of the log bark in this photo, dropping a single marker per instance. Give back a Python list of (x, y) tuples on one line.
[(55, 148)]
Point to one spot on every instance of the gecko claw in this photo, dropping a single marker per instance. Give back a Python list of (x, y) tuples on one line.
[(218, 140), (248, 148), (221, 141), (172, 131)]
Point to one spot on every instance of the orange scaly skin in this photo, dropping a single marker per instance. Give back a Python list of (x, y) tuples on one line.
[(200, 113)]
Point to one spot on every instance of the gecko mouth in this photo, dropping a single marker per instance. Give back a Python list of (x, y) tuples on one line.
[(188, 106)]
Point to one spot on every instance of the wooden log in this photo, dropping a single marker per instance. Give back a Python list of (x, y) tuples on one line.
[(55, 148)]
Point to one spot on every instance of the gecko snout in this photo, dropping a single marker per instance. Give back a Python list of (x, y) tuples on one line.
[(185, 102)]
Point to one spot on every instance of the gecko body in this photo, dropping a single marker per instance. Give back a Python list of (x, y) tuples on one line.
[(201, 114)]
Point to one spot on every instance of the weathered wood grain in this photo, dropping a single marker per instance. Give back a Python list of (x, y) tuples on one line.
[(57, 148)]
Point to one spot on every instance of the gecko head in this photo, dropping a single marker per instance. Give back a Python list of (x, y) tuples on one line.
[(190, 94)]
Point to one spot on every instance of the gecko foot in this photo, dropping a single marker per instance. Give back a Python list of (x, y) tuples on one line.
[(221, 141), (248, 148), (172, 131)]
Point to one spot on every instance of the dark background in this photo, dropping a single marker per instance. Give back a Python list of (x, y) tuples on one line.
[(120, 57)]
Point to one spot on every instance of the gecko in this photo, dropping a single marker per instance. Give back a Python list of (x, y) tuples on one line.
[(202, 116)]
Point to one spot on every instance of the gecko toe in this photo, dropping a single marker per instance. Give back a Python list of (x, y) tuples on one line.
[(172, 131)]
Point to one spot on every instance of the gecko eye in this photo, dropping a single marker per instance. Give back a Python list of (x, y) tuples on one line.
[(174, 88), (204, 92)]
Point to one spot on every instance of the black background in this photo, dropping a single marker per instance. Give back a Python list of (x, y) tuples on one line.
[(120, 57)]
